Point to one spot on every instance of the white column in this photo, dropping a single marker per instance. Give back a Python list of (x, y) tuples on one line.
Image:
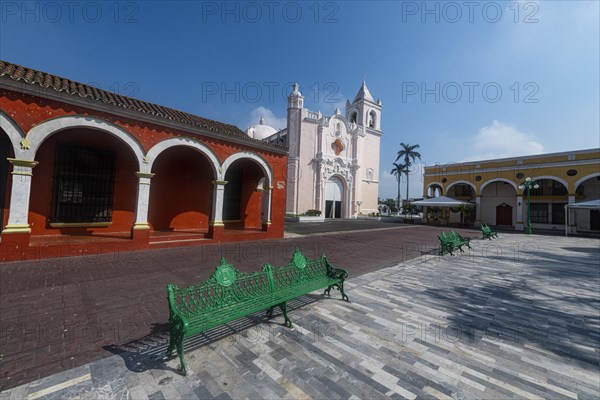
[(266, 204), (143, 200), (477, 211), (218, 196), (572, 228), (18, 215), (519, 224)]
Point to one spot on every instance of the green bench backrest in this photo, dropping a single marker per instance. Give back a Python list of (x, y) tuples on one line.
[(300, 270), (226, 286)]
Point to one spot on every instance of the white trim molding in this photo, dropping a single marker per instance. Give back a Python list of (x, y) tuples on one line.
[(483, 185), (14, 132), (39, 133), (249, 155), (158, 148), (583, 179)]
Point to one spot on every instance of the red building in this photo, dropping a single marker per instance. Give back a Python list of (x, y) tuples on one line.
[(87, 171)]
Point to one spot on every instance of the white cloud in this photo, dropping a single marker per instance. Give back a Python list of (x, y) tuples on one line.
[(270, 118), (500, 140)]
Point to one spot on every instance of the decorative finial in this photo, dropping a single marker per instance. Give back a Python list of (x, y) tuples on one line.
[(262, 120)]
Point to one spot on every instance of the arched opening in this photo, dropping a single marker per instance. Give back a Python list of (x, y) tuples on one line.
[(373, 120), (243, 197), (498, 197), (181, 192), (462, 215), (353, 117), (587, 220), (85, 184), (334, 198), (548, 202), (462, 191), (434, 190), (6, 151)]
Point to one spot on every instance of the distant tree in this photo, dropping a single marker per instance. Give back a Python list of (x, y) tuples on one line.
[(408, 155), (397, 171)]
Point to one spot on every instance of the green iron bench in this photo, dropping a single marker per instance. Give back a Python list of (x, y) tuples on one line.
[(453, 241), (230, 294), (488, 233)]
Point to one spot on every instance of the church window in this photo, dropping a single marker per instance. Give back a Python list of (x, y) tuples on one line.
[(370, 174), (353, 117)]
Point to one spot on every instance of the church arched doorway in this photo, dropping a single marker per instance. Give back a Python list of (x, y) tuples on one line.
[(334, 197)]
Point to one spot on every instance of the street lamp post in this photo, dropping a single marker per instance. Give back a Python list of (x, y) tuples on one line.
[(528, 184)]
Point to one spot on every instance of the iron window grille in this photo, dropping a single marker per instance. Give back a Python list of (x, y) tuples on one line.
[(539, 213), (84, 181)]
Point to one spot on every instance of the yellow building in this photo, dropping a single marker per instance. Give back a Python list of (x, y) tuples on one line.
[(494, 187)]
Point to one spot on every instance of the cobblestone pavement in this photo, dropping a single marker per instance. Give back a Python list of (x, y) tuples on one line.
[(517, 317), (57, 314)]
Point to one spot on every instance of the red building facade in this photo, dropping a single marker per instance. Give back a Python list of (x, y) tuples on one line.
[(87, 171)]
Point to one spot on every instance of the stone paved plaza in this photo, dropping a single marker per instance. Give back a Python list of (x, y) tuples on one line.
[(517, 317)]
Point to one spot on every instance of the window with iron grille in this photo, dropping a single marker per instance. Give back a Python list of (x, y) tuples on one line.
[(539, 213), (463, 190), (84, 181)]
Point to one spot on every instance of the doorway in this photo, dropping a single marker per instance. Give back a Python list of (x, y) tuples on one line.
[(504, 215), (334, 190)]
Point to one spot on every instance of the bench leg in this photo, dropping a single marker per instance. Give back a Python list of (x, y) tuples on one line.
[(283, 308), (270, 312), (340, 287), (181, 358)]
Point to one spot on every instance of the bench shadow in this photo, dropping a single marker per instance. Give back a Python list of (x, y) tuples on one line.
[(150, 352)]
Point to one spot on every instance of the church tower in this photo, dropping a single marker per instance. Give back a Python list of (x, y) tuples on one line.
[(294, 119), (364, 111)]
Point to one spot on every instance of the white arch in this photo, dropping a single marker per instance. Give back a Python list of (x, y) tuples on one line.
[(14, 132), (434, 184), (483, 185), (585, 178), (458, 182), (556, 178), (345, 194), (39, 133), (158, 148), (249, 155)]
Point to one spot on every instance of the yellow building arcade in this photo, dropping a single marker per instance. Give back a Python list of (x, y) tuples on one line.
[(499, 191)]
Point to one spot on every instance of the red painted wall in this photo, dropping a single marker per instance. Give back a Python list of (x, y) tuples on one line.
[(28, 111), (251, 199), (181, 191)]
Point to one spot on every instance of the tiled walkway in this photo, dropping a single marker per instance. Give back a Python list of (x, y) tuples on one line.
[(518, 317)]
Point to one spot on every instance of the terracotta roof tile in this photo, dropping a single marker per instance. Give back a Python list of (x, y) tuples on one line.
[(21, 74)]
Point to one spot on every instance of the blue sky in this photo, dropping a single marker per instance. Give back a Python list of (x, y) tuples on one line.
[(465, 80)]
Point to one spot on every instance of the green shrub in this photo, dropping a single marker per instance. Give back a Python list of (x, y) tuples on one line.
[(313, 213)]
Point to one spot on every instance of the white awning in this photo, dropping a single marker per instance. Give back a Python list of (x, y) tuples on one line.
[(591, 205), (441, 201), (585, 205)]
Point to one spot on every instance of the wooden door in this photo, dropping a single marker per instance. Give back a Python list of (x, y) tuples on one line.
[(504, 215)]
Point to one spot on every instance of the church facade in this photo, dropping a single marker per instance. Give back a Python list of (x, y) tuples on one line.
[(333, 163)]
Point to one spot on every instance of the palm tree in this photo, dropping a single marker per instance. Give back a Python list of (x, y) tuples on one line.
[(408, 154), (397, 171)]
